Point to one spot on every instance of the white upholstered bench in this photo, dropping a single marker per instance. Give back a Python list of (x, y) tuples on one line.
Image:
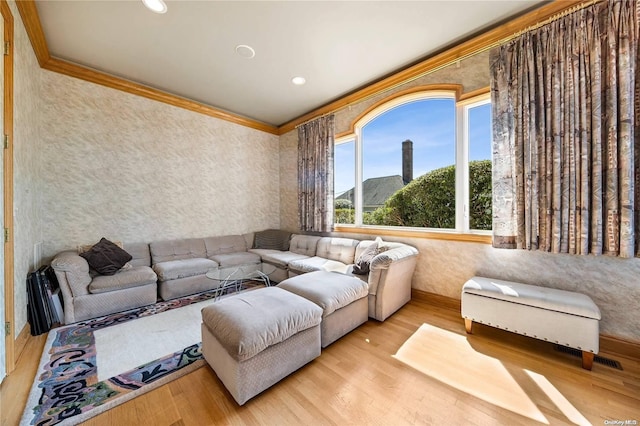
[(563, 317)]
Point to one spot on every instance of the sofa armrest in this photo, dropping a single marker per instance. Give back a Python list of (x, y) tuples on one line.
[(390, 280), (386, 258), (72, 272)]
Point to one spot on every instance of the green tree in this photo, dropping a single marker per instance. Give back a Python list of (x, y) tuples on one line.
[(342, 203), (480, 198), (429, 201), (343, 211)]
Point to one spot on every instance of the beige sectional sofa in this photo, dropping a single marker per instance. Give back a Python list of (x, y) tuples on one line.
[(390, 273), (171, 269)]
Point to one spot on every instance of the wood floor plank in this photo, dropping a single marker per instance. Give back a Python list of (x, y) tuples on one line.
[(358, 380), (15, 387)]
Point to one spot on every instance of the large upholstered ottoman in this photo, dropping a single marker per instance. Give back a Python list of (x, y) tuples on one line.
[(254, 339), (343, 299)]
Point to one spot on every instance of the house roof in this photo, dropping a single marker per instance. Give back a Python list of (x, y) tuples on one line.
[(375, 191)]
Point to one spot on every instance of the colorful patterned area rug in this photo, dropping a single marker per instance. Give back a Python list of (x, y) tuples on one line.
[(67, 391)]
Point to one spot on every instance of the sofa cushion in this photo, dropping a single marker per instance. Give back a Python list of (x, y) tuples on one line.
[(249, 322), (317, 264), (272, 239), (340, 249), (224, 244), (277, 257), (233, 259), (86, 247), (140, 254), (363, 261), (106, 257), (135, 277), (163, 251), (304, 244), (182, 268), (329, 290)]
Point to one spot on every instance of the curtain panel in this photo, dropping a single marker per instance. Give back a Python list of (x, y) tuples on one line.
[(566, 137), (315, 175)]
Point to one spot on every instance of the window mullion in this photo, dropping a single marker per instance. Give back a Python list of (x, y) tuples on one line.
[(358, 187), (462, 182)]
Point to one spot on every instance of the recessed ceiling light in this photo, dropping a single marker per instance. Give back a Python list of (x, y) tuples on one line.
[(157, 6), (245, 51), (298, 81)]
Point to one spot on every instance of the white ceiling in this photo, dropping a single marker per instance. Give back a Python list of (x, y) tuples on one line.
[(338, 46)]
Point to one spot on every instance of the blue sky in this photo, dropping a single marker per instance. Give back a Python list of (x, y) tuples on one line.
[(430, 124)]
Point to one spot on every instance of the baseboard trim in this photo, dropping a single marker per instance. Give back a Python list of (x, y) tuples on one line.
[(21, 341), (436, 299), (626, 348), (609, 344)]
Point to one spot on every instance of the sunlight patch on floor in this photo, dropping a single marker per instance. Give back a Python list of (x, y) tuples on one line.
[(449, 358), (558, 399)]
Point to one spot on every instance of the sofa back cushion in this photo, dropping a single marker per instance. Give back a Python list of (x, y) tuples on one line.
[(340, 249), (163, 251), (139, 253), (272, 239), (225, 244), (304, 244)]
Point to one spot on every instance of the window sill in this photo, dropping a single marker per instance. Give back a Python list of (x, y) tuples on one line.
[(414, 233)]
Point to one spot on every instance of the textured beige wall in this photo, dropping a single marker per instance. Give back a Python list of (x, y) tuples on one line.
[(91, 161), (444, 266), (27, 169), (132, 169), (289, 181)]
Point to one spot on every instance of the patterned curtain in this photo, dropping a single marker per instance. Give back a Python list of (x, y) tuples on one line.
[(315, 175), (566, 137)]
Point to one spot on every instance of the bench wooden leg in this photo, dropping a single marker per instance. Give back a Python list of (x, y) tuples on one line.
[(468, 325), (587, 360)]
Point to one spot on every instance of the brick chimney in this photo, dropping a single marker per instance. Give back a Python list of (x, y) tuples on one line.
[(407, 161)]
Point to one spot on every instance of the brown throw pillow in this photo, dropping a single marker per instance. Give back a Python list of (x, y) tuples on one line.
[(106, 257), (363, 263)]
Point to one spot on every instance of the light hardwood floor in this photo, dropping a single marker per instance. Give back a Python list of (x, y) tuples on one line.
[(358, 380)]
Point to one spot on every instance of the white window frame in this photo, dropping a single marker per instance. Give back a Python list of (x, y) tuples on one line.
[(461, 158), (463, 182), (340, 141)]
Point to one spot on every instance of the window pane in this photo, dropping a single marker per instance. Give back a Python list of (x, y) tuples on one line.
[(344, 182), (409, 165), (480, 167)]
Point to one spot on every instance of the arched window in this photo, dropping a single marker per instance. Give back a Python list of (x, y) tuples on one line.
[(420, 160)]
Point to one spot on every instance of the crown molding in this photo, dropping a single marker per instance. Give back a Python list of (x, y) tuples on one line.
[(30, 18), (460, 51), (103, 79), (29, 13)]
